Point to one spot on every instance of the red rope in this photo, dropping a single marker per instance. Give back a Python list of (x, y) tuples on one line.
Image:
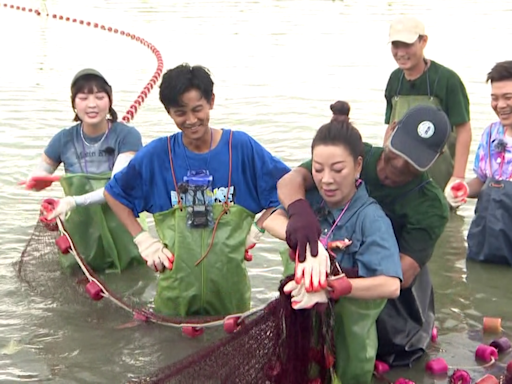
[(130, 113)]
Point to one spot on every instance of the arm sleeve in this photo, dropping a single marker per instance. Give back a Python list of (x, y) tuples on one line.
[(307, 165), (127, 185), (457, 101), (43, 168), (481, 163), (269, 169), (424, 227), (132, 140), (54, 148), (378, 254), (97, 197)]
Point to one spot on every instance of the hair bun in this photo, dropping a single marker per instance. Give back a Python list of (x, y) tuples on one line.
[(340, 108)]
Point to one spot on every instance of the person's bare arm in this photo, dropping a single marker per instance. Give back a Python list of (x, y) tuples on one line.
[(410, 270), (293, 186), (462, 147), (124, 214), (378, 287), (475, 186), (264, 216), (276, 225)]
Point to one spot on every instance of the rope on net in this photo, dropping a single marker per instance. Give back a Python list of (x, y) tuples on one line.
[(97, 290)]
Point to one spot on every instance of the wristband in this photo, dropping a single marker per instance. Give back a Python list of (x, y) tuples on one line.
[(261, 230)]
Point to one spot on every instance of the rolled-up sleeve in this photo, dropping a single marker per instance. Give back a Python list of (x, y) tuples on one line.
[(378, 254), (127, 187)]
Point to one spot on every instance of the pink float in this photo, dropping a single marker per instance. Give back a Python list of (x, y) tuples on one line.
[(434, 335), (460, 376), (486, 353), (380, 367), (437, 366)]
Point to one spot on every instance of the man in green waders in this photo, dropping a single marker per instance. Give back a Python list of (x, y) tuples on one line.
[(204, 187), (395, 178), (418, 80)]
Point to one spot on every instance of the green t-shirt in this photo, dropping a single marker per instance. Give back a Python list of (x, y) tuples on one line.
[(445, 85), (418, 210)]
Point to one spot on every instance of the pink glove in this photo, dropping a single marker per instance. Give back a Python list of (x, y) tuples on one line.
[(313, 271), (339, 286), (39, 181)]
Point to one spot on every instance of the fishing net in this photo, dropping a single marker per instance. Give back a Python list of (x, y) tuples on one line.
[(280, 346), (273, 344), (40, 270), (38, 263)]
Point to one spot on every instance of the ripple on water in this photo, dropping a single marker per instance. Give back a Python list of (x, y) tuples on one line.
[(277, 67)]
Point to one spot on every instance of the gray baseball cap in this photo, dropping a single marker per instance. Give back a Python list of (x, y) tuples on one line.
[(421, 135), (85, 72)]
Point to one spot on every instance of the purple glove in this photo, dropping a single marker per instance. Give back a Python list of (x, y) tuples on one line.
[(303, 228)]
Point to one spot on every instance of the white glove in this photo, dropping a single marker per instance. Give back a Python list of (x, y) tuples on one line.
[(302, 299), (252, 239), (157, 257), (313, 271), (456, 192), (64, 206)]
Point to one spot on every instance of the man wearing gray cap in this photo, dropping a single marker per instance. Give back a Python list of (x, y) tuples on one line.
[(395, 177), (418, 80)]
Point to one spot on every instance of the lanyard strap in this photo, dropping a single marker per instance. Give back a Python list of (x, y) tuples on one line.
[(326, 239)]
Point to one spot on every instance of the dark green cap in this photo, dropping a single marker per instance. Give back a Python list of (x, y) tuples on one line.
[(85, 72)]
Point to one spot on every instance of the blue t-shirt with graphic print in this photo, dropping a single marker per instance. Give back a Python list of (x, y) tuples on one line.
[(97, 154), (147, 185)]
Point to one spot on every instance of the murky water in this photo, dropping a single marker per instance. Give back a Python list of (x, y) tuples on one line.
[(277, 66)]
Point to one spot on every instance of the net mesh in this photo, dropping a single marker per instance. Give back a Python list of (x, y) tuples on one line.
[(278, 346), (40, 254), (275, 345)]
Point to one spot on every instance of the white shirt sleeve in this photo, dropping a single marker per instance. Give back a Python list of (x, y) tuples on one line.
[(96, 197)]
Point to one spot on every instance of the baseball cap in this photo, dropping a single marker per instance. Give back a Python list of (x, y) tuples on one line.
[(85, 72), (421, 135), (406, 29)]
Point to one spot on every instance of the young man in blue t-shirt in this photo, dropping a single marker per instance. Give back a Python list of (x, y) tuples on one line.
[(204, 186)]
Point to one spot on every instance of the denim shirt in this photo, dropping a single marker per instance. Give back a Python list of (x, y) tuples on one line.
[(374, 249)]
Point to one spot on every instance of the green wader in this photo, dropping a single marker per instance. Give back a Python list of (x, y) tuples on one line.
[(442, 169), (355, 334), (98, 235), (219, 285)]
